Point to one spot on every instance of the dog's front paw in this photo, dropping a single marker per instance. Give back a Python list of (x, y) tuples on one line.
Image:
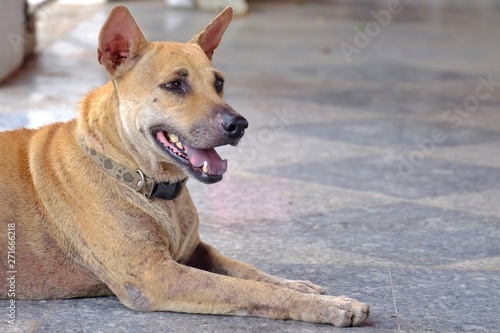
[(305, 287), (340, 311), (344, 311)]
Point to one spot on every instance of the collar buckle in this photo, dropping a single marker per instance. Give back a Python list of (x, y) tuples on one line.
[(142, 182)]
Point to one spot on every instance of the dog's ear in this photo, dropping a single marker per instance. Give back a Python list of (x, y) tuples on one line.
[(209, 38), (120, 39)]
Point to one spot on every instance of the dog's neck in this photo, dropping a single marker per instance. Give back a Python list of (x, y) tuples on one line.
[(98, 124)]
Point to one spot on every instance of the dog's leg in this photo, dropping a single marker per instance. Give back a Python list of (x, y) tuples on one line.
[(206, 257), (165, 285)]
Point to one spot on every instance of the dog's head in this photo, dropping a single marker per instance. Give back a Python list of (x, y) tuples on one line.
[(170, 96)]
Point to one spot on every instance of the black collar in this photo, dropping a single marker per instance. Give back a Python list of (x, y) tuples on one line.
[(136, 180), (167, 190)]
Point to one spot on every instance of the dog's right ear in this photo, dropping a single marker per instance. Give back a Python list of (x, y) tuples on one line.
[(120, 40)]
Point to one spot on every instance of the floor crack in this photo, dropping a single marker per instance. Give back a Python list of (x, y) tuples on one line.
[(396, 313), (46, 315)]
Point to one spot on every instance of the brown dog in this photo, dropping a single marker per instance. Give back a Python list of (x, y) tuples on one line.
[(98, 206)]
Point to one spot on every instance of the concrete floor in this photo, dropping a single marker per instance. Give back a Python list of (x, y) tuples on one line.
[(371, 169)]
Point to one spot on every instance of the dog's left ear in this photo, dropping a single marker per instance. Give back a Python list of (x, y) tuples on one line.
[(209, 38), (120, 40)]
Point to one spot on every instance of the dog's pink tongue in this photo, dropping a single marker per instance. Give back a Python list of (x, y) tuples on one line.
[(216, 165)]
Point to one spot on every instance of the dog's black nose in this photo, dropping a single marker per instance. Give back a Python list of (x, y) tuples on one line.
[(234, 127)]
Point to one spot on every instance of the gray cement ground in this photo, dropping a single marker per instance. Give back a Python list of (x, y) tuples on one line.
[(371, 165)]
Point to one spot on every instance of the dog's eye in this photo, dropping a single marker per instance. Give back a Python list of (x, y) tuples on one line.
[(174, 85), (219, 85)]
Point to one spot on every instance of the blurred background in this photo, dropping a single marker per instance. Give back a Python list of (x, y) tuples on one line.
[(371, 165)]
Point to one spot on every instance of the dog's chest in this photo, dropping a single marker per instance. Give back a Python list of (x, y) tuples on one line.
[(178, 222)]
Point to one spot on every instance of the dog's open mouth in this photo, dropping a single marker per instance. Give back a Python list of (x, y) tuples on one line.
[(205, 164)]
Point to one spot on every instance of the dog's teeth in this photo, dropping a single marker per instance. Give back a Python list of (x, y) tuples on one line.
[(205, 167), (174, 138), (179, 145)]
